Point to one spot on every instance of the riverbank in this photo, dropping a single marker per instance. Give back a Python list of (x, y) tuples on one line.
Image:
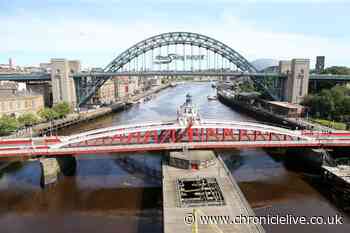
[(148, 93), (271, 117), (84, 116), (260, 114)]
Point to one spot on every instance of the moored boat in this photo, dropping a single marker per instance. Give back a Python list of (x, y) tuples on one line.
[(212, 97)]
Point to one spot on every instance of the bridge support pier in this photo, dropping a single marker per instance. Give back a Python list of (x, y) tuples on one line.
[(52, 168), (50, 171), (297, 83)]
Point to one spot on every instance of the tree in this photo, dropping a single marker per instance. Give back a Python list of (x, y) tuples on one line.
[(8, 124), (247, 87), (326, 104), (28, 119), (48, 114), (345, 110), (340, 95), (332, 104), (62, 109), (340, 70)]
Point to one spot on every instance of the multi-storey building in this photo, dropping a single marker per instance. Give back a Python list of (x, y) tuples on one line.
[(121, 87), (117, 89), (106, 94), (13, 102), (134, 85)]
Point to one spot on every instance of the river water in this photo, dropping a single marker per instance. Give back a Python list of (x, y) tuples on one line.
[(108, 196)]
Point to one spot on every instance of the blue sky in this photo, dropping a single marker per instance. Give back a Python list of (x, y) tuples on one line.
[(95, 31)]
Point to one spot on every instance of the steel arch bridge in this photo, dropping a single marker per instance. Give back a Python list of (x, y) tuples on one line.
[(159, 136), (134, 61), (182, 38)]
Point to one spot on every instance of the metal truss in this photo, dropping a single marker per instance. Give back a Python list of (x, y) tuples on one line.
[(193, 39), (172, 136), (182, 38), (166, 39)]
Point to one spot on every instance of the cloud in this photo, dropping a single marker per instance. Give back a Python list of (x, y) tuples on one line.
[(96, 42), (280, 45)]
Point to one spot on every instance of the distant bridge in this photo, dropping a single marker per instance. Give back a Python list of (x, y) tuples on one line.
[(176, 54), (25, 77), (19, 77), (215, 73), (172, 136)]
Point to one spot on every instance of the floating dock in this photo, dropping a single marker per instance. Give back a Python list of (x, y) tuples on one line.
[(338, 180), (207, 191), (342, 172)]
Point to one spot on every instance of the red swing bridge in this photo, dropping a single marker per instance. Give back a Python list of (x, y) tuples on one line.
[(188, 131), (172, 136)]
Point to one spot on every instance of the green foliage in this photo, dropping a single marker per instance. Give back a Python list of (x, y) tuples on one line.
[(331, 124), (48, 114), (340, 70), (8, 124), (28, 119), (247, 87), (62, 109), (330, 104)]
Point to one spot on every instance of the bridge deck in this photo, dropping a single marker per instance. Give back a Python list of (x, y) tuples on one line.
[(235, 203), (158, 136), (46, 76)]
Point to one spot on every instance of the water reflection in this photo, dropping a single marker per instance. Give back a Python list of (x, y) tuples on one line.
[(107, 196)]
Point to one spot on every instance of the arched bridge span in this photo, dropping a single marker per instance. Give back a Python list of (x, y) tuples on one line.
[(180, 38), (172, 136), (128, 61)]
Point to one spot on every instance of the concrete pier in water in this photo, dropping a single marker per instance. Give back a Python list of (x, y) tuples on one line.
[(52, 168), (207, 190), (50, 171)]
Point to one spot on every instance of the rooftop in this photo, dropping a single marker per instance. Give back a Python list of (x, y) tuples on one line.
[(286, 104), (8, 86), (249, 94)]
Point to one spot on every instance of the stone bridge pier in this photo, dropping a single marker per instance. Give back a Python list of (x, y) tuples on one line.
[(52, 168)]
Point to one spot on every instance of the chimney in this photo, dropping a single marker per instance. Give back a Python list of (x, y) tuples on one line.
[(10, 63)]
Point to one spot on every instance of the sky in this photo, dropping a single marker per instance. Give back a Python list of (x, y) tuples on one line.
[(96, 31)]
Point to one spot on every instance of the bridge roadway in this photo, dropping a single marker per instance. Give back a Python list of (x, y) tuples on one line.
[(159, 136), (319, 77), (47, 77), (25, 77)]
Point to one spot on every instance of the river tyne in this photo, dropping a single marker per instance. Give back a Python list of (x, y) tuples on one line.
[(105, 196)]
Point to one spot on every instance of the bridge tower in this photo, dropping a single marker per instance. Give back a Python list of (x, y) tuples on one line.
[(297, 83), (63, 88)]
